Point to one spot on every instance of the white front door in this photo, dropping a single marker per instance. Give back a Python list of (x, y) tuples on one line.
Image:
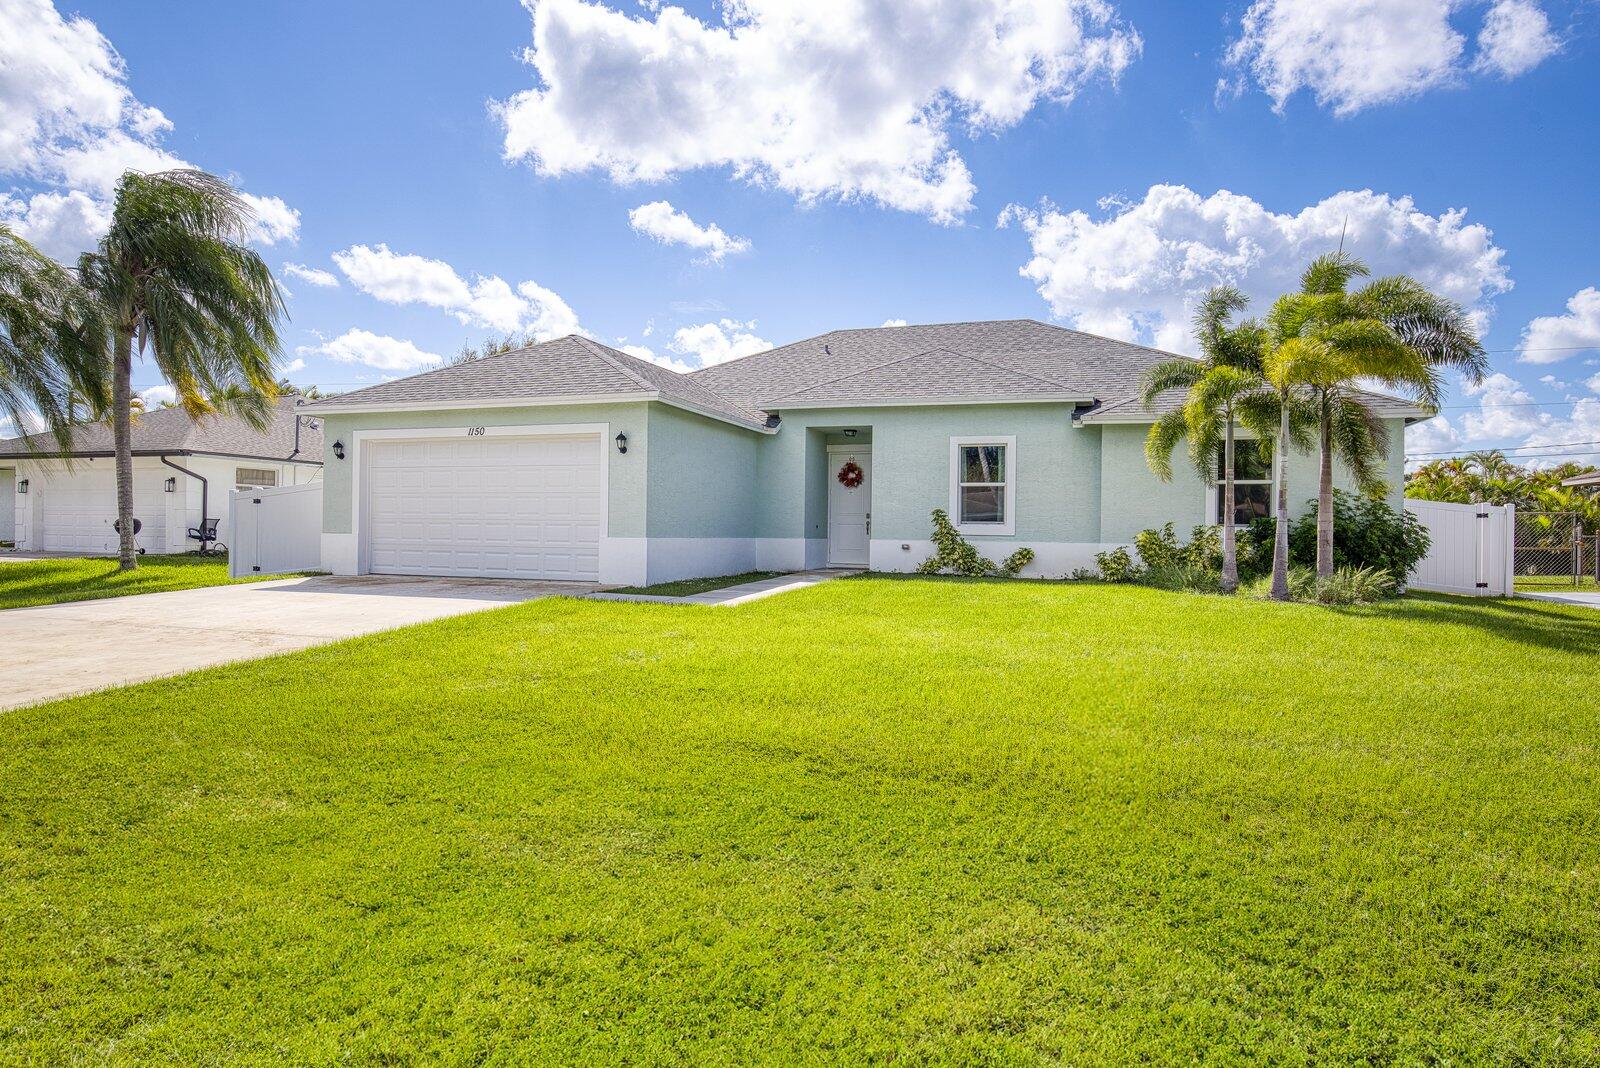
[(496, 507), (849, 510)]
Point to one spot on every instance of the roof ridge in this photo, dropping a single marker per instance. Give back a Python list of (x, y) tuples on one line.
[(608, 354)]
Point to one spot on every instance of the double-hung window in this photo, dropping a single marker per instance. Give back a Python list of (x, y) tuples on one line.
[(983, 484), (1252, 482)]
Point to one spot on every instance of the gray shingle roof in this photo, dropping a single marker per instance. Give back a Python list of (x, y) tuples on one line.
[(570, 366), (1077, 362), (171, 430), (1013, 358), (937, 373)]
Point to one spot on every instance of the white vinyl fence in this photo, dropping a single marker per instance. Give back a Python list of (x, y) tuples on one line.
[(275, 530), (1472, 548)]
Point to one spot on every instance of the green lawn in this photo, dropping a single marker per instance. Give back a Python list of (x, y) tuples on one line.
[(686, 587), (31, 582), (930, 821), (1554, 582)]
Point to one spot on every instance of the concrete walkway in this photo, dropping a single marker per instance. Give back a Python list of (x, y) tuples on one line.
[(744, 593), (58, 650), (1586, 598)]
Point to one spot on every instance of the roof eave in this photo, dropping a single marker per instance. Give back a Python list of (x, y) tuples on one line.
[(332, 407), (105, 454), (796, 404)]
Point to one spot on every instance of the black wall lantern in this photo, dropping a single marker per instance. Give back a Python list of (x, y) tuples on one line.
[(622, 442), (338, 450), (172, 485), (22, 487)]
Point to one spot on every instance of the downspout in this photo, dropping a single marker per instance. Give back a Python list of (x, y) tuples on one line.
[(204, 496)]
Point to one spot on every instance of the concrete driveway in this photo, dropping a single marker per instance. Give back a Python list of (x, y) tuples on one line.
[(62, 649)]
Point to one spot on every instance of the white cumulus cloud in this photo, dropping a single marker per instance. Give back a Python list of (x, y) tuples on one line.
[(1354, 54), (854, 99), (1515, 39), (373, 350), (660, 220), (314, 276), (488, 301), (1135, 270), (709, 344), (1553, 338), (68, 121)]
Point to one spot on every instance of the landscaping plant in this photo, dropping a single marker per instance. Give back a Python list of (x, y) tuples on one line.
[(955, 555), (1367, 533), (1224, 389)]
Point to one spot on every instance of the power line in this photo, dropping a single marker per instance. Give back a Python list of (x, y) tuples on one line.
[(1520, 448)]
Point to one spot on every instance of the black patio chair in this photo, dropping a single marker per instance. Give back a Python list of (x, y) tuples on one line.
[(206, 535)]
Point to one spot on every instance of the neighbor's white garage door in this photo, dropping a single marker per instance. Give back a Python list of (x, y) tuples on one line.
[(76, 510), (493, 507)]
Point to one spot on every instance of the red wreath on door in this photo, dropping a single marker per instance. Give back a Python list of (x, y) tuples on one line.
[(851, 475)]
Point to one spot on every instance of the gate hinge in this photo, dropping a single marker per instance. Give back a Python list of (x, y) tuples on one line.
[(1481, 515), (257, 567), (256, 501), (1481, 585)]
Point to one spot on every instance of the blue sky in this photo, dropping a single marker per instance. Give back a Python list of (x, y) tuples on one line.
[(855, 159)]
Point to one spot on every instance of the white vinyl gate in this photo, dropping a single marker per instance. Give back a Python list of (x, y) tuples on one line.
[(275, 530), (1471, 550)]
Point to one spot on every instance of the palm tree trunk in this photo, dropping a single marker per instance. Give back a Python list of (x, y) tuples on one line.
[(122, 432), (1230, 556), (1280, 541), (1325, 497)]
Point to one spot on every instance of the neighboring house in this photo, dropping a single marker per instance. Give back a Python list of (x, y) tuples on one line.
[(66, 501), (571, 460), (1591, 479)]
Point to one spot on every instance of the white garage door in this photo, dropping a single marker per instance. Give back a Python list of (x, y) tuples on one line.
[(76, 510), (492, 507)]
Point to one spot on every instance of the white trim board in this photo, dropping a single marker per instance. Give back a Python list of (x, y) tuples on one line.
[(578, 399)]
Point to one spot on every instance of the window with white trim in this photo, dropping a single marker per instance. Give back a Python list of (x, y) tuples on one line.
[(1252, 482), (254, 478), (983, 485)]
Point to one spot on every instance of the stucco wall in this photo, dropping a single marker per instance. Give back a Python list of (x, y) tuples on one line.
[(1057, 469), (626, 473), (702, 476), (1133, 499)]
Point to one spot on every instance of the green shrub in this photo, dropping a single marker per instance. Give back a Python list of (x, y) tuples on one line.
[(1253, 547), (1085, 574), (1367, 533), (1189, 577), (1158, 549), (953, 553), (1012, 565), (1116, 565)]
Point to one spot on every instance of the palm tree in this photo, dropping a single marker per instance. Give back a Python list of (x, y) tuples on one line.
[(52, 340), (1225, 388), (175, 279), (1291, 367), (1392, 332)]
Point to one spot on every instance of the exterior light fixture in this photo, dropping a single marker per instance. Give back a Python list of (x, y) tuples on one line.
[(850, 433), (172, 485), (338, 450), (22, 487), (622, 442)]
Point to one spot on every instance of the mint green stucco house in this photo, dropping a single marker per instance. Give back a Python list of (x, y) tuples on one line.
[(571, 460)]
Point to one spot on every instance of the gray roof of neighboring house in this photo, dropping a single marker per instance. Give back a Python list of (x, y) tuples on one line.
[(173, 431), (570, 366), (1591, 479)]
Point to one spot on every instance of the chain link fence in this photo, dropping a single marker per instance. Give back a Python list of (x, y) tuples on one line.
[(1552, 550)]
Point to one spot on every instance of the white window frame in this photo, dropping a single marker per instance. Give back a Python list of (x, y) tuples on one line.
[(1002, 530), (1214, 490)]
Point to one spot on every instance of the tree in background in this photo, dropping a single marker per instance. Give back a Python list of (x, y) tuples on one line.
[(1224, 388), (175, 280), (1488, 477)]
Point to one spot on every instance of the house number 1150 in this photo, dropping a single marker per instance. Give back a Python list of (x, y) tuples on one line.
[(474, 431)]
